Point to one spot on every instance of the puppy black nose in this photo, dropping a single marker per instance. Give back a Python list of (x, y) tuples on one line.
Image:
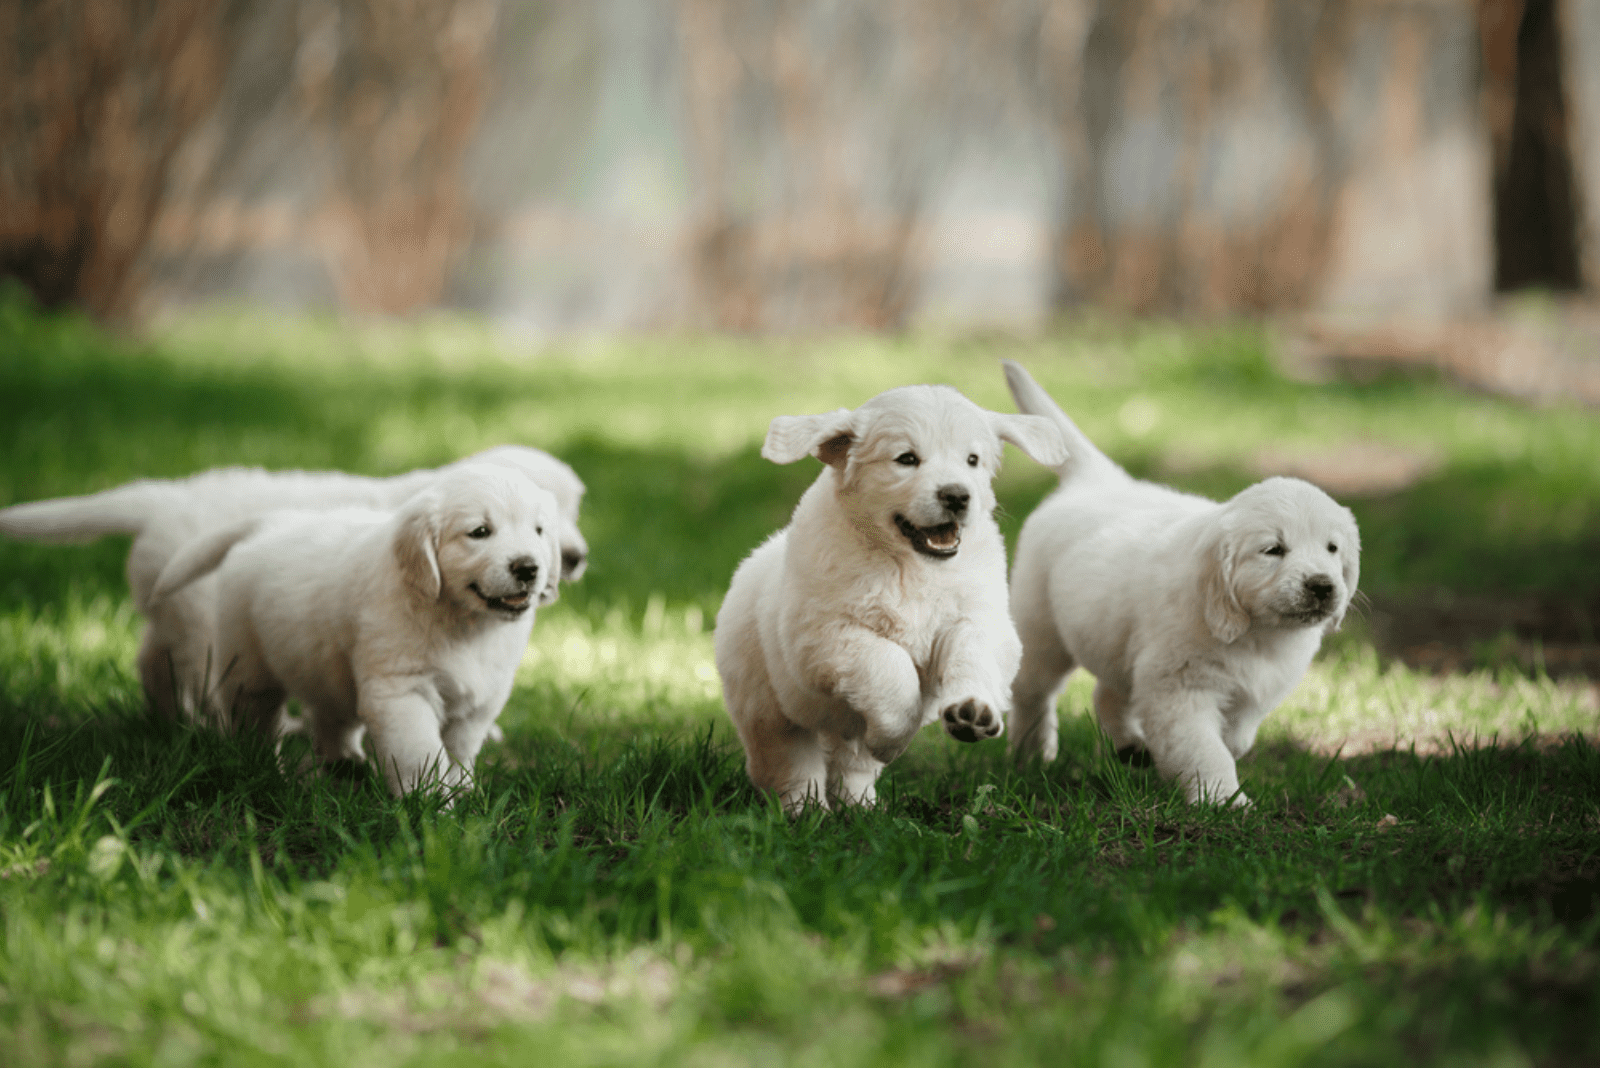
[(572, 562), (524, 570), (1320, 587), (954, 498)]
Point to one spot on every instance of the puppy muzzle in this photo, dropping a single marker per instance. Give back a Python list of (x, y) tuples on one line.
[(940, 541), (516, 596)]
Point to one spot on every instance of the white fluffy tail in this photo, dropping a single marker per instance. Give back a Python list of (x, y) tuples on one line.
[(200, 556), (64, 520), (1083, 457)]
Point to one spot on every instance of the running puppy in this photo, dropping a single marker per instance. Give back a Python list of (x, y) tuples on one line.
[(176, 656), (1195, 618), (882, 606), (407, 625)]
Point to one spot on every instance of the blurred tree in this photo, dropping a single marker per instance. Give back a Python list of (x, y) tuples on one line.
[(96, 97)]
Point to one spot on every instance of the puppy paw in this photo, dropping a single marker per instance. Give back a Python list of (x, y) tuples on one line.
[(971, 720)]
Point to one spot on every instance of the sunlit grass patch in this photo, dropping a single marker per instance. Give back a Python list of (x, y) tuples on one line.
[(76, 655)]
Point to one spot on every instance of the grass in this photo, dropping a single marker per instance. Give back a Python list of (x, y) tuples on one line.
[(1418, 879)]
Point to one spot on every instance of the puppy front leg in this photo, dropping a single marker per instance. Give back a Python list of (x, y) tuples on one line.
[(975, 669), (462, 740), (877, 679), (1183, 731), (404, 726)]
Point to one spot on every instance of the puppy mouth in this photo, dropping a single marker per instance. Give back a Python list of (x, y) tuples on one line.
[(510, 604), (940, 542), (1307, 615)]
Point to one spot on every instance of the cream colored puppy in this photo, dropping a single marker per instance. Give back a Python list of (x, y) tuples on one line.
[(1195, 618), (882, 606), (405, 625), (176, 655)]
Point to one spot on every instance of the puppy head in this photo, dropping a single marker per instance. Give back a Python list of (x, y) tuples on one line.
[(914, 464), (483, 538), (563, 483), (1284, 554)]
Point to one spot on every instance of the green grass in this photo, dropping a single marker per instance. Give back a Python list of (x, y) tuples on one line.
[(1418, 880)]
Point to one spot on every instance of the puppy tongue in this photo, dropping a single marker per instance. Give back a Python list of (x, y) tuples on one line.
[(946, 538)]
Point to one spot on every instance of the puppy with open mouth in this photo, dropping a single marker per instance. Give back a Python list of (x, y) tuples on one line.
[(407, 626), (882, 606), (1196, 617)]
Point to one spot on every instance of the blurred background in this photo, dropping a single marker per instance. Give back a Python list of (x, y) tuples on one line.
[(780, 165), (1353, 240)]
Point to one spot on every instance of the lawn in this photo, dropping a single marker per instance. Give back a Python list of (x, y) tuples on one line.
[(1418, 881)]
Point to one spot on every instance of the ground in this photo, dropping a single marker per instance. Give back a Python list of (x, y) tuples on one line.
[(1418, 879)]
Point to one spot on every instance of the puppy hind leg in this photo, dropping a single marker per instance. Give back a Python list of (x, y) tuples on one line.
[(852, 772), (789, 761), (1039, 682)]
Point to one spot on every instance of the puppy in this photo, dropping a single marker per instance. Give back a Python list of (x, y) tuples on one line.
[(407, 625), (176, 655), (1195, 618), (882, 606)]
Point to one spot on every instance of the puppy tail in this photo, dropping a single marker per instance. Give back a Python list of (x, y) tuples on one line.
[(64, 520), (200, 556), (1083, 458)]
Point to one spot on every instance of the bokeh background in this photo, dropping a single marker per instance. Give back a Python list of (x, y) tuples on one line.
[(1362, 190), (803, 164)]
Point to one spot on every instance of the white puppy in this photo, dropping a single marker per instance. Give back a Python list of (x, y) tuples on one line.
[(882, 606), (176, 655), (408, 625), (1195, 618)]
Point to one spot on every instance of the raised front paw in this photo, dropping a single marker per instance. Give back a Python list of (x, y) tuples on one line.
[(971, 720)]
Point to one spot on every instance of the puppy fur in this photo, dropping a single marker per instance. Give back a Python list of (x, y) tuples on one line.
[(176, 655), (405, 625), (882, 606), (1196, 618)]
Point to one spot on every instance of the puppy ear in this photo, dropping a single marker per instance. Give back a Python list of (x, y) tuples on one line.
[(550, 592), (1350, 564), (1225, 616), (828, 437), (1035, 435), (416, 547)]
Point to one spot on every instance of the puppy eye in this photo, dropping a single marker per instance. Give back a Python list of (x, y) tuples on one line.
[(479, 532), (538, 530), (907, 459), (1332, 548), (972, 460), (1274, 550)]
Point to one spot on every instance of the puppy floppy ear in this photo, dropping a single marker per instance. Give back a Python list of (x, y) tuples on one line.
[(1035, 435), (828, 437), (550, 592), (416, 547), (1350, 564), (1225, 616)]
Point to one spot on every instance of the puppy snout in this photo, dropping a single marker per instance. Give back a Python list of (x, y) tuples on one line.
[(954, 497), (524, 569), (1319, 588)]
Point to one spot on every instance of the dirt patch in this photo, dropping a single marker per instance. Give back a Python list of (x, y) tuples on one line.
[(1352, 469), (1537, 351), (1445, 633)]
